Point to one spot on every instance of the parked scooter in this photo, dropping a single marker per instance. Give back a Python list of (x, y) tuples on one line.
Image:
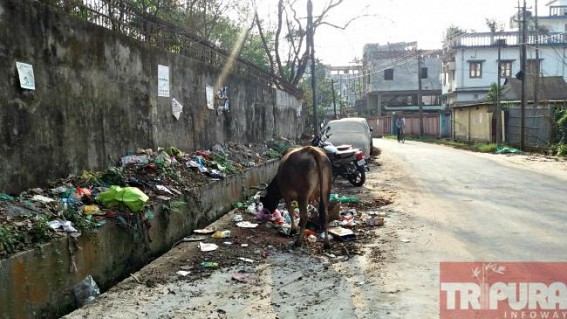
[(346, 161)]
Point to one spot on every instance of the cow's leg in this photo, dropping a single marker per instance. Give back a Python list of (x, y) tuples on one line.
[(293, 229), (303, 215), (323, 213)]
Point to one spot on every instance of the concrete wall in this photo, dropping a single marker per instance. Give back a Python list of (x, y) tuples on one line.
[(96, 99), (38, 284)]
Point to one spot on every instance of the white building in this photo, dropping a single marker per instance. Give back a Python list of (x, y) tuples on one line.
[(391, 78), (470, 60), (347, 81)]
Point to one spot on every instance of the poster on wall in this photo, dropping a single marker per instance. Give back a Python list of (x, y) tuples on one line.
[(210, 91), (25, 73), (176, 108), (163, 80)]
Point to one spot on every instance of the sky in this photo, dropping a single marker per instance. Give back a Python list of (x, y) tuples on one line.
[(389, 21)]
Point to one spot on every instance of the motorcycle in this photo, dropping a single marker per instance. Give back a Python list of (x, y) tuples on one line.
[(346, 161)]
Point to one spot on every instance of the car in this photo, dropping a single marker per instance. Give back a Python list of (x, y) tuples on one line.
[(353, 131)]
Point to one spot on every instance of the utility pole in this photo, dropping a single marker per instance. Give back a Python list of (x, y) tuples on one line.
[(334, 100), (536, 79), (498, 111), (523, 78), (311, 46), (419, 101)]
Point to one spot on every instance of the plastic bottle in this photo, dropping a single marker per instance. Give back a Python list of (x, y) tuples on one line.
[(221, 234), (209, 264)]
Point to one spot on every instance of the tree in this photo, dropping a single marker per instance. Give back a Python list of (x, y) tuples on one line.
[(324, 92), (287, 51)]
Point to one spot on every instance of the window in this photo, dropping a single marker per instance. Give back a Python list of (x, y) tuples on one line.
[(423, 74), (532, 67), (389, 74), (475, 69), (505, 69)]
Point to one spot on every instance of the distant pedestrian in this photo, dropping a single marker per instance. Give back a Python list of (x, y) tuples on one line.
[(401, 124)]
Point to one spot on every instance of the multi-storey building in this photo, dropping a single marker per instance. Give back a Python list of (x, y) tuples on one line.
[(391, 78), (474, 61), (347, 81)]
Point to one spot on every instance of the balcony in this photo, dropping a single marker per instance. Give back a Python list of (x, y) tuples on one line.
[(557, 11), (488, 39)]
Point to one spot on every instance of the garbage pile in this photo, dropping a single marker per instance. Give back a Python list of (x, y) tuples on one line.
[(340, 221), (250, 233), (126, 193)]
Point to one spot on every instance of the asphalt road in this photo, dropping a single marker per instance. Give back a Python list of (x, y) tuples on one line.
[(458, 205)]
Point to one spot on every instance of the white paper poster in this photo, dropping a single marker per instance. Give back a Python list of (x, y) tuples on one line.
[(176, 108), (210, 91), (25, 73), (163, 80)]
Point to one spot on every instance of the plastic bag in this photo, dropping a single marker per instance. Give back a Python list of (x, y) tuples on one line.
[(132, 197), (86, 291)]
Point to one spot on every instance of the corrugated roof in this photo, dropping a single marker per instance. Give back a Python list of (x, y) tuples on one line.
[(550, 88)]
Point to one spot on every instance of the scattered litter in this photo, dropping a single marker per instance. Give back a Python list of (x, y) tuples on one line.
[(209, 264), (43, 199), (194, 238), (240, 277), (248, 260), (65, 224), (330, 255), (221, 234), (86, 291), (312, 238), (228, 243), (207, 247), (92, 210), (405, 240), (342, 234), (360, 283), (134, 159), (207, 230), (246, 224), (237, 218), (375, 221), (244, 245), (164, 189), (183, 273)]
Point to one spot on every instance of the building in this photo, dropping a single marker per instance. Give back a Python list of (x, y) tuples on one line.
[(472, 62), (347, 82), (391, 79)]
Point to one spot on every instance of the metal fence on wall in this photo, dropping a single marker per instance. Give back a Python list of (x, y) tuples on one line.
[(538, 126), (121, 17)]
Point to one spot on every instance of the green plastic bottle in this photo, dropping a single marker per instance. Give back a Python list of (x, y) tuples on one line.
[(209, 264)]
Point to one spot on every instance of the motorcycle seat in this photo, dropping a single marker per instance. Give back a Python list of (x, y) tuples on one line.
[(345, 153), (343, 147)]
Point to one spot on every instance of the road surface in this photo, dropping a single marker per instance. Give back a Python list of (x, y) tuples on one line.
[(449, 205), (465, 206)]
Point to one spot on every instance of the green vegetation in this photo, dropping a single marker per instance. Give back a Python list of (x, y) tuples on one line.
[(558, 145), (475, 147)]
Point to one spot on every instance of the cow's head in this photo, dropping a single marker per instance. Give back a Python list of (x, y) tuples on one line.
[(271, 196)]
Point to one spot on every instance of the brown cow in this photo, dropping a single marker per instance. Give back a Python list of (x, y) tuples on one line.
[(304, 174)]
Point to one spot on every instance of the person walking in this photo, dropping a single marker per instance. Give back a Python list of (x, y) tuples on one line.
[(401, 124)]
